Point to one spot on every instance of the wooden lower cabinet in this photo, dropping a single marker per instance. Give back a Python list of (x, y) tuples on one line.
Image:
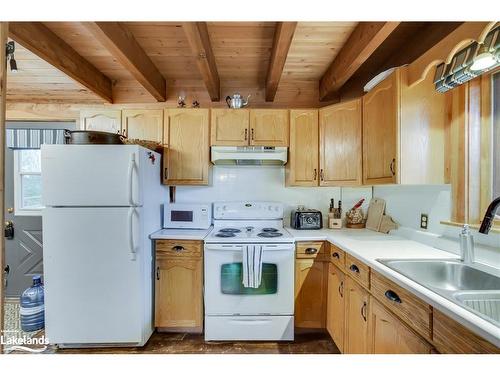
[(451, 337), (335, 306), (357, 309), (179, 293), (388, 335), (310, 293)]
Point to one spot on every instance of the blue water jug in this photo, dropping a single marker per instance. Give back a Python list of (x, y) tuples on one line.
[(33, 306)]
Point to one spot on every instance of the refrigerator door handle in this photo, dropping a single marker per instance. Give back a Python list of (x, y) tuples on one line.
[(131, 233), (131, 180)]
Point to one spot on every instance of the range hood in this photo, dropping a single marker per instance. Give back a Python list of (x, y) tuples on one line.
[(248, 155)]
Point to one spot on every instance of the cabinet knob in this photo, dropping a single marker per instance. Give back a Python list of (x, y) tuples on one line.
[(178, 248), (311, 250), (315, 174), (321, 175), (252, 134), (354, 268), (165, 174), (392, 296), (158, 273), (341, 289), (336, 255), (246, 134)]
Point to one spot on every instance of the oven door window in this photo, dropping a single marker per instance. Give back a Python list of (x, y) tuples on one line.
[(232, 280)]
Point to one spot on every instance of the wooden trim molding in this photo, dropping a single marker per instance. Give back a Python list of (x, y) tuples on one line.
[(199, 40), (44, 43), (120, 42), (364, 40), (283, 36)]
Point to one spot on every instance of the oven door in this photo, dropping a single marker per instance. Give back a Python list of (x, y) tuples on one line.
[(224, 290)]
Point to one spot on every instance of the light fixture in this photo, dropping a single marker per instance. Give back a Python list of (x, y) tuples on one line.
[(9, 51), (484, 59)]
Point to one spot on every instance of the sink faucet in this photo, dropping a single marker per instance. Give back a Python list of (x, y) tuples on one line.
[(489, 216), (466, 245)]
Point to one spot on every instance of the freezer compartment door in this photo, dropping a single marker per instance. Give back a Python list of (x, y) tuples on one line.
[(94, 175), (94, 268)]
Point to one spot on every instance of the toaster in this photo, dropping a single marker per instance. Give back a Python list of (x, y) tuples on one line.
[(306, 219)]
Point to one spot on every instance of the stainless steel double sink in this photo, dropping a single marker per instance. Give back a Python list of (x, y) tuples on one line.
[(464, 284)]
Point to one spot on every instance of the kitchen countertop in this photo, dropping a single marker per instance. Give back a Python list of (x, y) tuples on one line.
[(368, 246), (181, 234)]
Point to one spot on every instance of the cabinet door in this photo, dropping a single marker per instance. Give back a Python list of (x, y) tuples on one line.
[(340, 144), (230, 127), (302, 167), (390, 336), (380, 131), (101, 120), (310, 293), (356, 340), (335, 308), (178, 293), (143, 124), (269, 127), (187, 153)]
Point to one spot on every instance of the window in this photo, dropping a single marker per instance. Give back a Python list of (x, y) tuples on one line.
[(496, 135), (27, 183)]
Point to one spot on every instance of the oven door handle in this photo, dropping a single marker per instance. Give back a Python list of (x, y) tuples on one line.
[(251, 321)]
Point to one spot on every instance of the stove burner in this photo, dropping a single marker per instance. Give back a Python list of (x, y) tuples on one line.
[(229, 230), (269, 234), (269, 230), (225, 234)]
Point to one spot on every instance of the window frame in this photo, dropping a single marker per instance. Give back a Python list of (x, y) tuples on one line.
[(18, 174)]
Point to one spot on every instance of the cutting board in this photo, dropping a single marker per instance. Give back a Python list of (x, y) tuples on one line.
[(375, 213)]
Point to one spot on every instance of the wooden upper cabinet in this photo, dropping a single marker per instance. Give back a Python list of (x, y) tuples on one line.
[(381, 117), (269, 127), (186, 156), (230, 127), (356, 340), (388, 335), (144, 124), (101, 120), (340, 144), (310, 293), (302, 168), (335, 307)]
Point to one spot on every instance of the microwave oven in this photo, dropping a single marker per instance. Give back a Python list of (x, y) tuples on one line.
[(187, 215)]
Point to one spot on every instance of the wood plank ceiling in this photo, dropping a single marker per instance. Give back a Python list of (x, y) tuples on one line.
[(198, 59)]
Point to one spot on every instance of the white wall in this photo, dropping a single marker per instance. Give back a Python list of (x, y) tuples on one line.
[(404, 203)]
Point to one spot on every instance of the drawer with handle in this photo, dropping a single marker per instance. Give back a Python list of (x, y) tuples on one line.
[(179, 248), (337, 256), (357, 270), (308, 249), (411, 309)]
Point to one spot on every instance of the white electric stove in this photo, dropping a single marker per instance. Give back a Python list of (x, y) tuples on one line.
[(232, 311)]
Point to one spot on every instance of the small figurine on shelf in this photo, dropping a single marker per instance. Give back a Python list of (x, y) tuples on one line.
[(196, 104), (181, 101)]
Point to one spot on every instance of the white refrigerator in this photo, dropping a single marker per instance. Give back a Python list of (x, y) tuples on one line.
[(101, 203)]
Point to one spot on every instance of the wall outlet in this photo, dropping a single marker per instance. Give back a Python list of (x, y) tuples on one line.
[(424, 221)]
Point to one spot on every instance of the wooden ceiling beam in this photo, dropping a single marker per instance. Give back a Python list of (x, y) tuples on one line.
[(44, 43), (283, 36), (199, 41), (364, 40), (120, 42)]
